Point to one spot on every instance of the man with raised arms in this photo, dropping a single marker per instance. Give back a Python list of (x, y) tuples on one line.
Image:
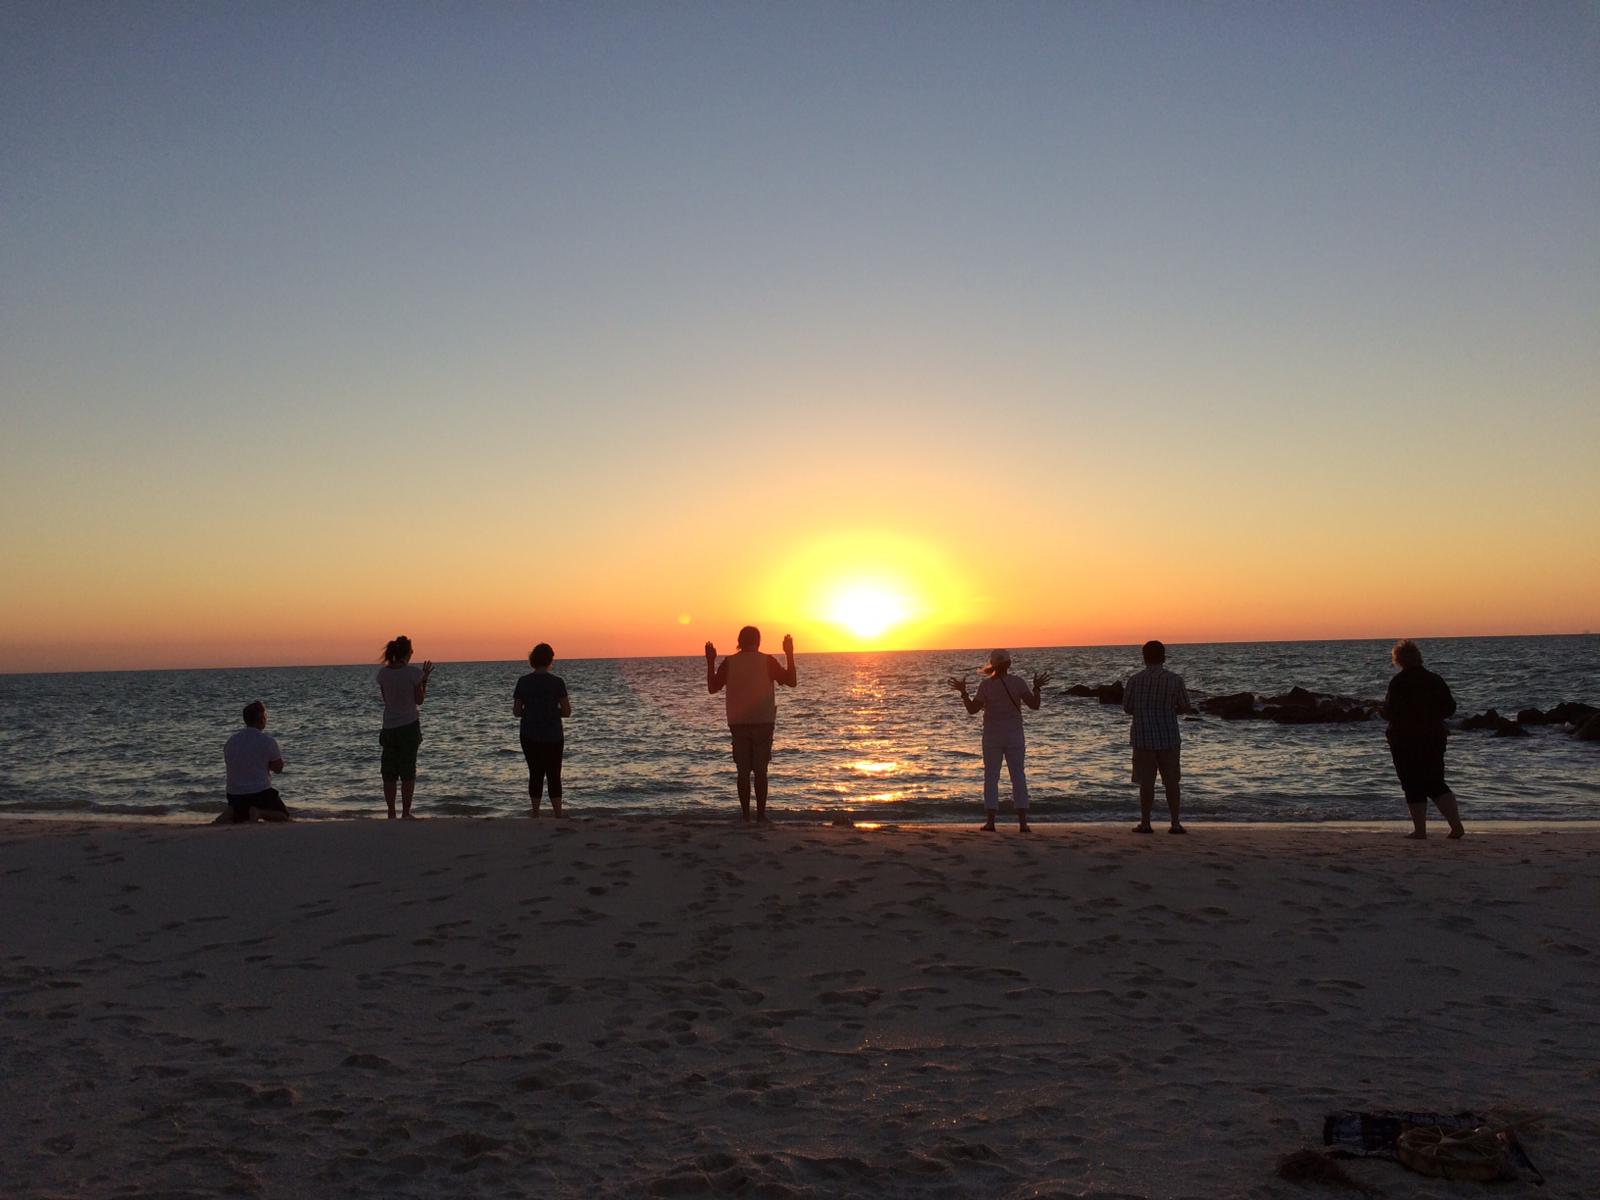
[(747, 679)]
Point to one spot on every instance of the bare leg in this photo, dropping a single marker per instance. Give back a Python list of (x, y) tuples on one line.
[(1147, 802), (744, 792), (1419, 821), (390, 786), (1446, 804), (408, 788), (1173, 799), (761, 794)]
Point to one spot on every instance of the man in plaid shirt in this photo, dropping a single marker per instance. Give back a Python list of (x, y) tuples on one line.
[(1154, 697)]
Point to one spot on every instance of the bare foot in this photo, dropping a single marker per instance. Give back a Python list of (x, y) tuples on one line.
[(1416, 836), (1459, 831), (1177, 828), (407, 817), (987, 827), (1143, 827)]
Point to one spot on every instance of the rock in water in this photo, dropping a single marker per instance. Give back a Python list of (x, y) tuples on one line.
[(1589, 731), (1571, 713), (1234, 708), (1295, 697)]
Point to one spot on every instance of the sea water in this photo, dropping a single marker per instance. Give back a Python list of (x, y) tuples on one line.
[(866, 736)]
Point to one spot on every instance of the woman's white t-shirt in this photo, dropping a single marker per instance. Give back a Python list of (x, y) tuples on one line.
[(1002, 709), (398, 686)]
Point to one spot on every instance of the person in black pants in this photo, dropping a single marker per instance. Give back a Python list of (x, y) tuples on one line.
[(541, 700), (1416, 707)]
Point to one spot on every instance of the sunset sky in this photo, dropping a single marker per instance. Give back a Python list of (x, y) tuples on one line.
[(898, 325)]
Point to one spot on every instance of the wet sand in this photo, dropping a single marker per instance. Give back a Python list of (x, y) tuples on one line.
[(656, 1007)]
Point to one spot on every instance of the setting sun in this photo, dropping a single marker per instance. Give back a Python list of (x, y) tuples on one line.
[(865, 589), (866, 610)]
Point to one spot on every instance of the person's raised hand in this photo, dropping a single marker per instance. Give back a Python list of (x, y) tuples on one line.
[(788, 643), (711, 652), (958, 683), (427, 667), (1040, 678)]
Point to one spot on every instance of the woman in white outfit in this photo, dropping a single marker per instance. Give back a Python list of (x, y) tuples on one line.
[(1000, 698)]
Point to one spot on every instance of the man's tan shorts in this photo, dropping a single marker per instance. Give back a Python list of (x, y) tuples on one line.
[(752, 746), (1146, 763)]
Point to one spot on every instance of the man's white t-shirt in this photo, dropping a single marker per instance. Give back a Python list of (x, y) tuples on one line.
[(398, 685), (247, 754)]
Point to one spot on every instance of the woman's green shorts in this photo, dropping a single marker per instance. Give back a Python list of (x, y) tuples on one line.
[(400, 751)]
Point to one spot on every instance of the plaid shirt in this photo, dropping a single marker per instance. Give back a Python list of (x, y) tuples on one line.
[(1154, 697)]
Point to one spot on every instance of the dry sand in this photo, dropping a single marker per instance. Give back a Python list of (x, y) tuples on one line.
[(631, 1008)]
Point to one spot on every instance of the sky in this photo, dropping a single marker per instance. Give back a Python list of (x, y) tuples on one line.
[(620, 326)]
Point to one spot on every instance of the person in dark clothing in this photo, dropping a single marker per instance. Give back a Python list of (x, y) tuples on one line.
[(1416, 707), (540, 699)]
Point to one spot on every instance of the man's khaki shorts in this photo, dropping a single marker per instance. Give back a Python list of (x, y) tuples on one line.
[(752, 746), (1147, 763)]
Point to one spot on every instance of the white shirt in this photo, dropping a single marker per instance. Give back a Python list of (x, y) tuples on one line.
[(398, 686), (247, 754), (1002, 709)]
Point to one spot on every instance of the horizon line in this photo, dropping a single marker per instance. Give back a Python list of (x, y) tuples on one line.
[(818, 653)]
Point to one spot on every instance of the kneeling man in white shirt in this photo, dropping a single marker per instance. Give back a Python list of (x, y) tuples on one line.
[(253, 758)]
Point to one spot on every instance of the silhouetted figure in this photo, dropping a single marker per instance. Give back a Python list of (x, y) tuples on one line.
[(748, 678), (1416, 706), (403, 689), (1003, 737), (1154, 697), (540, 699), (253, 758)]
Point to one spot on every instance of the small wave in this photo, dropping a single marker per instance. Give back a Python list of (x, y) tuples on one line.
[(462, 808)]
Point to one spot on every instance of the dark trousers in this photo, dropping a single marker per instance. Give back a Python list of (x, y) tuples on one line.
[(544, 762), (241, 805)]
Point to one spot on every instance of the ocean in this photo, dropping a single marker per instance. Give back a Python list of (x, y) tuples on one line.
[(866, 736)]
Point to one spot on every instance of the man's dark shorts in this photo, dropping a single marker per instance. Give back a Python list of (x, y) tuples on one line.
[(1419, 762), (268, 800), (752, 746), (400, 751)]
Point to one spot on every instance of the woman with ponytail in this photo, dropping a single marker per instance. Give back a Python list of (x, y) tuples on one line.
[(402, 688)]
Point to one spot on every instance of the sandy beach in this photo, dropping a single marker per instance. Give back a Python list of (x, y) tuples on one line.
[(652, 1007)]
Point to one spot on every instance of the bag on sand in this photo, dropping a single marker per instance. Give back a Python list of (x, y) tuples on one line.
[(1464, 1145)]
